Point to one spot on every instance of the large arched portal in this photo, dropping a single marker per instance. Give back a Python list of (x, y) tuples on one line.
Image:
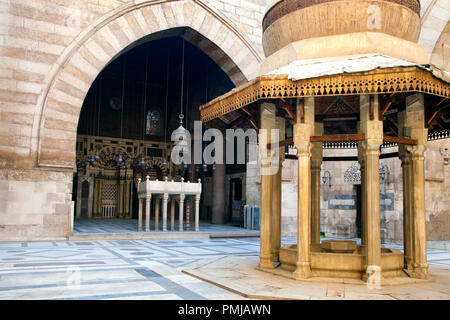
[(126, 122), (71, 77), (50, 157)]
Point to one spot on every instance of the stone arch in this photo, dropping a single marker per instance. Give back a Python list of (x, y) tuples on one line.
[(156, 162), (441, 52), (434, 16), (59, 105), (108, 154)]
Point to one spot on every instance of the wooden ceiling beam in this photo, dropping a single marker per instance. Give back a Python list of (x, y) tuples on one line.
[(236, 122), (437, 111), (288, 109), (248, 116), (391, 124), (385, 105)]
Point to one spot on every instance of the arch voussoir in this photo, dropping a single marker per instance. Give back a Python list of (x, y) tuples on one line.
[(107, 38)]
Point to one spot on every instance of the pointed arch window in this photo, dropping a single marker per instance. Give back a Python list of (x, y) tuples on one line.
[(153, 123)]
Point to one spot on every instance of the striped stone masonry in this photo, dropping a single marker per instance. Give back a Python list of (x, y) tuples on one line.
[(51, 52)]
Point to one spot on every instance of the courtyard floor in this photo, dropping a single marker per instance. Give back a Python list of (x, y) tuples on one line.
[(118, 229), (176, 269)]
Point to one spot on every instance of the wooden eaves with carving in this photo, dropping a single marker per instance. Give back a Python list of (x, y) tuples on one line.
[(387, 82)]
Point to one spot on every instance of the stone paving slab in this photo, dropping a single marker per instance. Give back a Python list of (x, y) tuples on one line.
[(126, 229), (240, 275), (221, 269), (113, 269)]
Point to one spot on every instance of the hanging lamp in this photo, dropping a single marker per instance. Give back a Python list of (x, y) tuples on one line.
[(181, 133), (120, 157)]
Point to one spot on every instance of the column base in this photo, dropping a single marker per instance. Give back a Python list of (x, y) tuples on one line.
[(266, 263), (420, 272), (302, 271), (408, 265)]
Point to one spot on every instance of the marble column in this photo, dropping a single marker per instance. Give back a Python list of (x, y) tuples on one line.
[(121, 198), (407, 208), (96, 187), (131, 198), (180, 228), (267, 123), (411, 124), (172, 215), (362, 164), (140, 201), (156, 214), (303, 130), (79, 185), (218, 205), (99, 200), (188, 213), (127, 199), (91, 197), (372, 128), (280, 124), (197, 212), (419, 237), (148, 201), (164, 211), (316, 162)]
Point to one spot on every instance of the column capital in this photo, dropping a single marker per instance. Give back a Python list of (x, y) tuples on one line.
[(370, 148), (148, 196), (405, 158), (417, 152), (303, 149), (165, 196), (408, 153)]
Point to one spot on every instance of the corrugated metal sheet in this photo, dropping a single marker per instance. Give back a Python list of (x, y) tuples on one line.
[(312, 68)]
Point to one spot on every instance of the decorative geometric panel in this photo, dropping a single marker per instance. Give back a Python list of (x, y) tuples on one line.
[(340, 106), (110, 192), (353, 174)]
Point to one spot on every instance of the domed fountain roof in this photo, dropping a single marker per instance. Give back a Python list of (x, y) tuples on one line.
[(310, 29)]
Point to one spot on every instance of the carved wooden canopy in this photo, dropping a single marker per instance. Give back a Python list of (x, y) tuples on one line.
[(337, 96), (377, 81)]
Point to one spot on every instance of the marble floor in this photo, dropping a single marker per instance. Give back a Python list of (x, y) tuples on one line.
[(128, 269), (130, 226), (114, 269)]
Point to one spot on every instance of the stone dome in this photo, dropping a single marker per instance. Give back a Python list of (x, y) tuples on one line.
[(288, 21)]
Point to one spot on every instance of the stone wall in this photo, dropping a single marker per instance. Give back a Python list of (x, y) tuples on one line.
[(441, 53), (437, 189), (35, 204), (247, 15), (50, 53)]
